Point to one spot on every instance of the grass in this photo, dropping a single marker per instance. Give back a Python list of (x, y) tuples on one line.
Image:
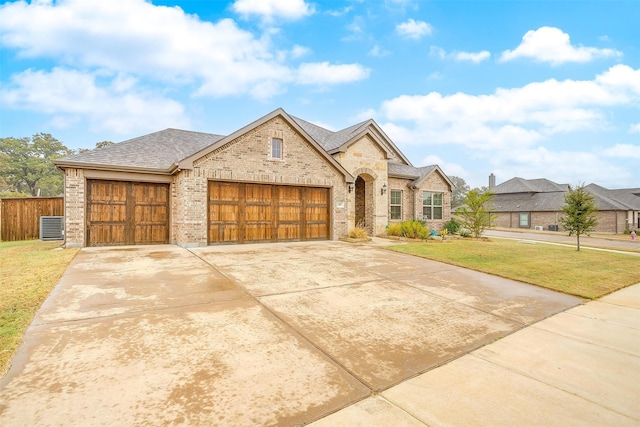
[(588, 274), (28, 272)]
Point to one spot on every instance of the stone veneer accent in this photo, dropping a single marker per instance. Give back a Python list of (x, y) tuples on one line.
[(366, 157)]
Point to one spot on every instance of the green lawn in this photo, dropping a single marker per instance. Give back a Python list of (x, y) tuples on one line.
[(28, 272), (588, 273)]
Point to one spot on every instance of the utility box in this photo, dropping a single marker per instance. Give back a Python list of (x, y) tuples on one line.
[(51, 228)]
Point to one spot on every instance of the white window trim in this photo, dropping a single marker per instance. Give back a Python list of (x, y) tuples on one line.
[(432, 206), (392, 205), (281, 148)]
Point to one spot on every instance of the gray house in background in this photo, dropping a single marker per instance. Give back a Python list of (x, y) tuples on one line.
[(537, 204)]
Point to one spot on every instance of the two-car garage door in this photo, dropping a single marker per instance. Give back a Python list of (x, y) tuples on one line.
[(246, 212)]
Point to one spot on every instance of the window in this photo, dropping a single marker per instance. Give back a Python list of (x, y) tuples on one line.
[(396, 204), (276, 148), (431, 205), (524, 220)]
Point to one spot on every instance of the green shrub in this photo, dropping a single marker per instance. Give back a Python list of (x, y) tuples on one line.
[(452, 226), (394, 229), (413, 229)]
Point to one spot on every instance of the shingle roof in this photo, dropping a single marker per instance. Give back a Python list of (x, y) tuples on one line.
[(327, 139), (158, 150), (520, 185), (403, 171), (540, 195)]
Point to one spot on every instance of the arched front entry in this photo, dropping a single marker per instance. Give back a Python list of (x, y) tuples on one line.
[(364, 202)]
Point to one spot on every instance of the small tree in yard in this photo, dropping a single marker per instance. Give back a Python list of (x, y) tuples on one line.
[(476, 213), (580, 212)]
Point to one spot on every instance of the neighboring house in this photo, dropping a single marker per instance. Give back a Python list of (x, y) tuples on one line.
[(279, 178), (537, 203)]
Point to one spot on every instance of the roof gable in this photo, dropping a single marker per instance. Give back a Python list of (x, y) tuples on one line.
[(187, 163), (334, 142), (418, 175)]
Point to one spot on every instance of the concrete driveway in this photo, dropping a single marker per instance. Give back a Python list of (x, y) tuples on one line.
[(250, 335)]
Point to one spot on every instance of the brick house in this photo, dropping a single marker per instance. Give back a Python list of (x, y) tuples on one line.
[(537, 204), (279, 178)]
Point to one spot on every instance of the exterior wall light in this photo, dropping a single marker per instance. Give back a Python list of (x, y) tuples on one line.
[(383, 190)]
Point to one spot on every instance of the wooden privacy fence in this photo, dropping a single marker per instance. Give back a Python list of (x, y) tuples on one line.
[(20, 218)]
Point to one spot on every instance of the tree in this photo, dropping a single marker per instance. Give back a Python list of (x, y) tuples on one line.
[(459, 191), (27, 164), (476, 212), (103, 144), (580, 212)]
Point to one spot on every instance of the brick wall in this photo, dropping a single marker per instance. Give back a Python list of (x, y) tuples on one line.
[(74, 212), (435, 183), (608, 221), (248, 159), (408, 198)]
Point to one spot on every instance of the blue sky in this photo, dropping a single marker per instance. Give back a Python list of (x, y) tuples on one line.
[(535, 89)]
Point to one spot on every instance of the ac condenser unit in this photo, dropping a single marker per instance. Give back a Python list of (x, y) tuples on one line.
[(538, 228), (51, 228)]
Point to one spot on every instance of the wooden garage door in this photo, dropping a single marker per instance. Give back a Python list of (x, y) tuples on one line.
[(127, 213), (244, 213)]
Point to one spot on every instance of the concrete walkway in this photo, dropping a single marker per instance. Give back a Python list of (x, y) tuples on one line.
[(331, 332), (564, 239), (578, 368)]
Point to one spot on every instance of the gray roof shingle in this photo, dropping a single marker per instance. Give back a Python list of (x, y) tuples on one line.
[(158, 150), (327, 139), (543, 195)]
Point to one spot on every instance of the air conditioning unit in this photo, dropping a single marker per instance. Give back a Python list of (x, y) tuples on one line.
[(51, 228), (538, 228)]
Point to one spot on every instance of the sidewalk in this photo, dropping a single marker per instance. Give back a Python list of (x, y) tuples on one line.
[(579, 367), (562, 238)]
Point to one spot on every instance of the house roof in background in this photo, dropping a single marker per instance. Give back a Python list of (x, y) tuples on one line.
[(543, 195), (520, 185)]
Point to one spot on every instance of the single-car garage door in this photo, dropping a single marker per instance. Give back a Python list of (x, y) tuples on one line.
[(127, 213), (245, 212)]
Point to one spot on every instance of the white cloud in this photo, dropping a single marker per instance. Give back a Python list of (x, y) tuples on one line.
[(511, 117), (165, 44), (475, 57), (299, 51), (413, 29), (562, 166), (550, 44), (624, 151), (108, 102), (634, 128), (269, 10), (378, 52), (451, 169), (325, 73)]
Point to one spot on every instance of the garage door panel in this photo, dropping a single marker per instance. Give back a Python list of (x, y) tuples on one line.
[(288, 232), (127, 213), (266, 212), (316, 232), (107, 235)]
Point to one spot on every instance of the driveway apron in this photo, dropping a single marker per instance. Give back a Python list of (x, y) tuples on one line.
[(277, 334)]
